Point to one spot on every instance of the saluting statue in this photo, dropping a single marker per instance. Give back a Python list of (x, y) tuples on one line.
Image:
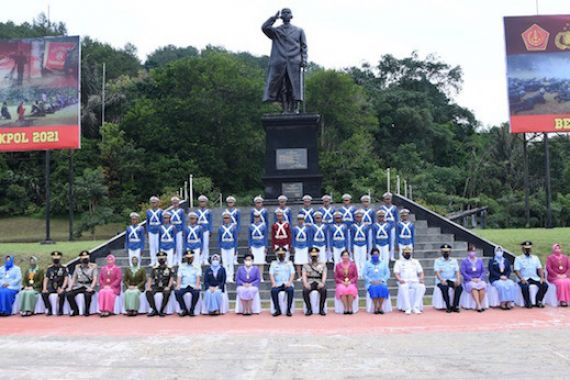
[(288, 58)]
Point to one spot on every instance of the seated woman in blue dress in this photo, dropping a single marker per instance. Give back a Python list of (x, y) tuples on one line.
[(215, 285), (376, 274), (499, 273), (10, 285)]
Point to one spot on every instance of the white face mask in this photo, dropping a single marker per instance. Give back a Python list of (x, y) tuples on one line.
[(499, 253), (215, 263)]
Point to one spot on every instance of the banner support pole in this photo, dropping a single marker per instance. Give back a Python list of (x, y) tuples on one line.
[(48, 196)]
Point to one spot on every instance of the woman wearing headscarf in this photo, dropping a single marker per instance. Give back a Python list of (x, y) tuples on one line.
[(109, 286), (134, 280), (247, 281), (376, 274), (346, 277), (10, 285), (558, 270), (215, 284), (472, 271), (32, 283), (499, 273)]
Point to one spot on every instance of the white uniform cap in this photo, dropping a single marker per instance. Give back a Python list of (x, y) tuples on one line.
[(359, 211), (307, 198), (226, 213), (203, 198), (365, 198), (404, 211), (173, 199), (154, 199), (301, 216), (230, 199), (380, 212), (192, 214), (338, 213), (166, 213), (134, 215), (318, 213), (346, 196), (282, 198), (257, 199), (387, 195), (279, 211), (326, 197)]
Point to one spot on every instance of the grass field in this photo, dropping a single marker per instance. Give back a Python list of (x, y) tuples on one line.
[(541, 238)]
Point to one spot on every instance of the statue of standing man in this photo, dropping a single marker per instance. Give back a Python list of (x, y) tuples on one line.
[(288, 58)]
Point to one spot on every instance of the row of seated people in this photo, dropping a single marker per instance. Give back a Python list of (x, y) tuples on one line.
[(451, 279), (329, 230)]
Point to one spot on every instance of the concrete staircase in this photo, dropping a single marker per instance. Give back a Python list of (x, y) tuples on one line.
[(428, 242)]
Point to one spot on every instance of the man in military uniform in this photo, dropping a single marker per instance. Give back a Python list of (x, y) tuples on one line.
[(314, 278), (83, 281), (55, 281), (160, 280), (188, 282)]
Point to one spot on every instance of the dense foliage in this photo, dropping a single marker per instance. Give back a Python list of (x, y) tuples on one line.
[(188, 111)]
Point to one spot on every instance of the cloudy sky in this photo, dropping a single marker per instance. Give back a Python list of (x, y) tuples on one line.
[(468, 33)]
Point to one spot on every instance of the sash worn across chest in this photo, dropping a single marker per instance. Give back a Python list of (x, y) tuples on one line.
[(193, 234), (382, 234), (166, 233), (360, 235), (319, 233), (203, 216), (281, 231), (406, 231), (301, 234), (338, 233), (257, 233), (133, 233), (227, 234), (154, 217)]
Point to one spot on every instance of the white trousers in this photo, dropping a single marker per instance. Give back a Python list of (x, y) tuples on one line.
[(134, 252), (336, 254), (179, 247), (206, 251), (197, 263), (258, 255), (228, 262), (392, 243), (360, 253), (412, 295), (402, 246), (384, 252), (170, 257), (153, 248)]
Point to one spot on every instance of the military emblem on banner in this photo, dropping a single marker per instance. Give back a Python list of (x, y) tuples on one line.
[(562, 39), (535, 38)]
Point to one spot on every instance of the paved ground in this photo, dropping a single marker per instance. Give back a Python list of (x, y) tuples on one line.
[(491, 345)]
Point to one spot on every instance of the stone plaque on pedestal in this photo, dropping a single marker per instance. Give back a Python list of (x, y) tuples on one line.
[(291, 155)]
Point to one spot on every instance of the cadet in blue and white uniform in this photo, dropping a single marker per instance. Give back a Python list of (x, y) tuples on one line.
[(262, 211), (338, 237), (153, 223), (391, 216), (382, 236), (320, 236), (228, 244), (194, 239), (328, 218), (235, 215), (134, 237), (287, 216), (347, 210), (257, 240), (359, 243), (302, 238), (178, 219), (307, 211), (167, 239), (405, 231), (205, 221), (368, 217)]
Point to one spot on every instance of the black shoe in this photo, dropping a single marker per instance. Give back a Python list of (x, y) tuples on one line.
[(456, 310), (183, 314), (162, 314), (289, 314), (276, 314), (540, 305), (322, 312), (309, 313), (351, 312), (59, 313), (380, 311), (49, 313), (345, 313), (448, 310), (73, 314), (86, 314), (191, 313), (152, 314), (529, 306)]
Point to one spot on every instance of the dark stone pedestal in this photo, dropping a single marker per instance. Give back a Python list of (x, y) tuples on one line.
[(291, 156)]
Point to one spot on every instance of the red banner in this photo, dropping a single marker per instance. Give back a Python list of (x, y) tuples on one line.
[(538, 73), (39, 94)]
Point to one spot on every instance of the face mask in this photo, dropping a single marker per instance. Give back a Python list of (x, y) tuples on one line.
[(56, 261), (315, 258), (407, 256), (85, 261), (446, 255), (375, 259), (190, 261), (499, 253), (527, 252), (161, 261), (248, 263), (281, 257), (471, 254), (215, 263)]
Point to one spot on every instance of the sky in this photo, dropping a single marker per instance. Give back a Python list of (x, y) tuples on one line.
[(339, 33)]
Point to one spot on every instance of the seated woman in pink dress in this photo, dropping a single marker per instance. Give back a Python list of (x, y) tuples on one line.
[(558, 270), (109, 286), (346, 277), (473, 271)]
